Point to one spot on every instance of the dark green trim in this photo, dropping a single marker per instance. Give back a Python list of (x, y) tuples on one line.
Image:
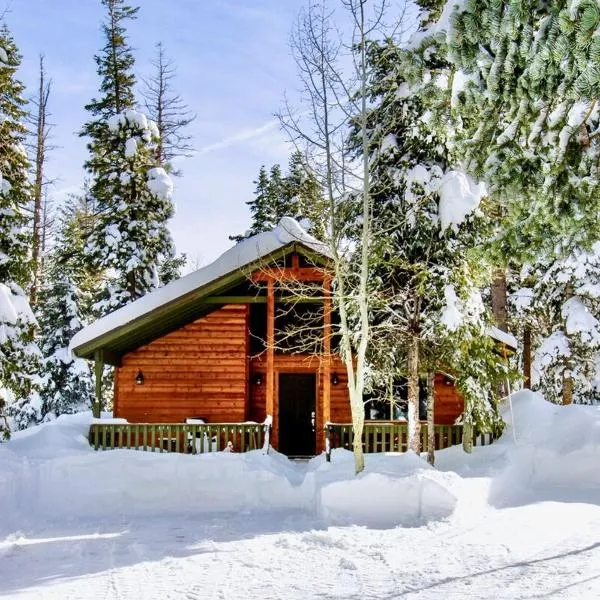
[(289, 299), (235, 300)]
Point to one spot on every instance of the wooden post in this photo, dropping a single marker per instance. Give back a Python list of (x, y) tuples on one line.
[(99, 369), (270, 392), (326, 391), (527, 357)]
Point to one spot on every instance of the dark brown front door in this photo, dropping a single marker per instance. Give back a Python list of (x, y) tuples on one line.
[(297, 414)]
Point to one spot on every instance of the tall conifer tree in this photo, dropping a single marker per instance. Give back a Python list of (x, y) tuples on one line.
[(428, 226), (296, 194), (132, 194), (64, 307), (525, 118), (19, 355)]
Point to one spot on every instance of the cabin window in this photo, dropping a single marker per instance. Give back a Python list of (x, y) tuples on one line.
[(391, 404), (304, 261), (258, 328), (299, 328)]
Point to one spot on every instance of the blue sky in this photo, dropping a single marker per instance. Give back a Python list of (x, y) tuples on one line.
[(233, 65)]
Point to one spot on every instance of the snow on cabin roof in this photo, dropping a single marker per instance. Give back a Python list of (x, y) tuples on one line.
[(503, 337), (243, 254)]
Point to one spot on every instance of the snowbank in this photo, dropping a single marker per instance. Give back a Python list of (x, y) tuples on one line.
[(554, 456), (393, 490), (50, 472), (555, 453)]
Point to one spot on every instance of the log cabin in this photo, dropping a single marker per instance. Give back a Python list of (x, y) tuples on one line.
[(220, 346)]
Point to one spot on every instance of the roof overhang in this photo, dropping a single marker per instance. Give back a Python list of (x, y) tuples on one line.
[(128, 334)]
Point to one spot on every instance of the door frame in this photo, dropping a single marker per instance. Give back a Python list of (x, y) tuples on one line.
[(299, 371)]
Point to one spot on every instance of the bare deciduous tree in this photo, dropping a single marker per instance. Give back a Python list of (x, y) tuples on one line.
[(334, 73), (41, 129), (169, 111)]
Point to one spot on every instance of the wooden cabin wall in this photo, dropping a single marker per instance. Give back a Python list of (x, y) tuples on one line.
[(199, 370), (449, 403)]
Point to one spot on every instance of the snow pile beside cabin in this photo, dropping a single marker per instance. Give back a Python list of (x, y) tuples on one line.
[(547, 452), (247, 252), (50, 472)]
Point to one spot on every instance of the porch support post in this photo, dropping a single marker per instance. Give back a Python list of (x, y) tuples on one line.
[(326, 416), (98, 369), (270, 395)]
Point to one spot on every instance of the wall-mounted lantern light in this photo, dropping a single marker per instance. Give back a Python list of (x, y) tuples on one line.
[(258, 379), (139, 378), (335, 379)]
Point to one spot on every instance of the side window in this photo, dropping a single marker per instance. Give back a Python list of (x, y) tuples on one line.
[(258, 328), (386, 405)]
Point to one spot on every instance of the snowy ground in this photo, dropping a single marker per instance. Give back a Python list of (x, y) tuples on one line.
[(511, 521)]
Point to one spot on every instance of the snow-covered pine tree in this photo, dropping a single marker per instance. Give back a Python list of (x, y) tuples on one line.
[(303, 194), (132, 194), (131, 236), (525, 94), (559, 297), (260, 210), (526, 118), (19, 354), (296, 194), (65, 305), (428, 228)]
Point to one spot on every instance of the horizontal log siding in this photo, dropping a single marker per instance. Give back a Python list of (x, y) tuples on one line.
[(449, 403), (199, 370), (340, 398)]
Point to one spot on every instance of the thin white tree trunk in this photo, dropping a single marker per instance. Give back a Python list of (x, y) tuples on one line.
[(431, 418), (414, 425)]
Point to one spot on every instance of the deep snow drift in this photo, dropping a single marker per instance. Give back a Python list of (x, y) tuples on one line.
[(518, 519), (50, 471)]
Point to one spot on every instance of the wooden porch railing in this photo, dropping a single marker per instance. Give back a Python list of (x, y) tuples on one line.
[(393, 436), (179, 437)]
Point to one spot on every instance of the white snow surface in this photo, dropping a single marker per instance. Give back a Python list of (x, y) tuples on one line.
[(160, 183), (3, 56), (459, 197), (579, 320), (8, 312), (452, 316), (442, 27), (241, 255), (131, 147), (514, 520), (503, 336)]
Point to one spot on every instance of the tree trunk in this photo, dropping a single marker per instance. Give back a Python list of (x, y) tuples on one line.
[(467, 437), (527, 357), (41, 135), (430, 418), (567, 395), (499, 299), (358, 423), (414, 426)]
